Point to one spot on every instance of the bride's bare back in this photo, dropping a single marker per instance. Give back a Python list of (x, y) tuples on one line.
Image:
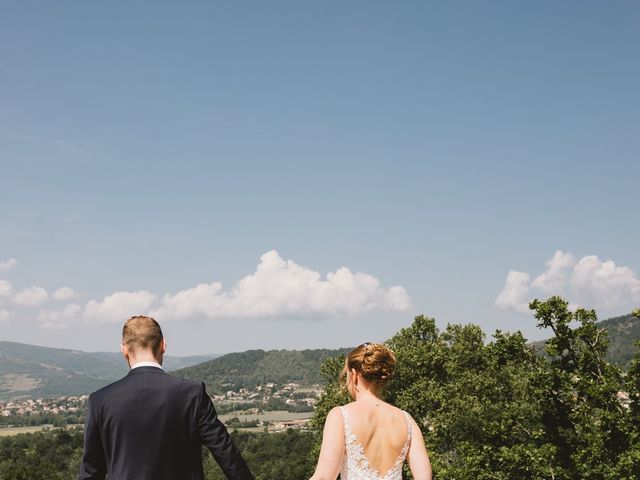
[(369, 439), (381, 430)]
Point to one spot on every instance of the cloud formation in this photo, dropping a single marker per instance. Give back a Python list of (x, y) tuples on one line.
[(118, 306), (5, 288), (6, 265), (281, 287), (31, 297), (59, 319), (5, 315), (63, 293), (278, 288), (515, 294), (588, 282)]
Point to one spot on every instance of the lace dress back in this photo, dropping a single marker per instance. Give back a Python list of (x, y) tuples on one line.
[(356, 466)]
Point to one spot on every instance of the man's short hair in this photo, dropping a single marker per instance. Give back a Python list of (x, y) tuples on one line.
[(142, 333)]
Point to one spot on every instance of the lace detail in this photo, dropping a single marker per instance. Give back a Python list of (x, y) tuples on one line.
[(356, 466)]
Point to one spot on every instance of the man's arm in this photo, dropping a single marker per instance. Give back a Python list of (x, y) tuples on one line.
[(93, 465), (215, 437)]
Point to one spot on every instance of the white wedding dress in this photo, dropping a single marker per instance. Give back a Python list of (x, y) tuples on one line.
[(356, 466)]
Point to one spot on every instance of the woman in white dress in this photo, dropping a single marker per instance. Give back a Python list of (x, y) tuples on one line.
[(369, 439)]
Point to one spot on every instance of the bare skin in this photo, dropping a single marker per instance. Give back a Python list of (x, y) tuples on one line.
[(142, 355), (379, 427)]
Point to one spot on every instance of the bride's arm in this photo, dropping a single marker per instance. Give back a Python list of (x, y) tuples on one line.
[(417, 456), (332, 447)]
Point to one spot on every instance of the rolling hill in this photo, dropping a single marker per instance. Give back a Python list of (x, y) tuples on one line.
[(34, 371), (623, 333), (28, 371), (259, 367)]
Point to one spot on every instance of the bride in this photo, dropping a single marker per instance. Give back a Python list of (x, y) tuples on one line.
[(369, 439)]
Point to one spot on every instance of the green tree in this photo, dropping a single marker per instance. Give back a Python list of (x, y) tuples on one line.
[(496, 409), (630, 461), (583, 416)]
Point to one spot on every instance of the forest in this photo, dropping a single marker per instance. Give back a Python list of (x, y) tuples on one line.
[(489, 408)]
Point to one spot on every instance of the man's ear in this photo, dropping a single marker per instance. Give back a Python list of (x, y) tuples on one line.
[(163, 348), (124, 350)]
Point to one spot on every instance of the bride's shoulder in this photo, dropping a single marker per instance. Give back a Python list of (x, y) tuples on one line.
[(335, 419), (342, 408)]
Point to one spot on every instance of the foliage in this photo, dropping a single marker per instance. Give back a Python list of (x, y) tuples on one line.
[(495, 409), (54, 419), (53, 455), (623, 332), (488, 408), (56, 454), (282, 456)]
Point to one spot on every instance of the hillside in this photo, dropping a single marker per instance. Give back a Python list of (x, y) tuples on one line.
[(29, 371), (258, 367), (34, 371), (624, 332)]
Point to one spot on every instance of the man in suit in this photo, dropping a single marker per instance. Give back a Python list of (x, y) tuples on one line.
[(150, 425)]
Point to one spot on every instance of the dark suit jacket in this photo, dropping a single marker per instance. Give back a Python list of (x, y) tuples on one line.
[(151, 426)]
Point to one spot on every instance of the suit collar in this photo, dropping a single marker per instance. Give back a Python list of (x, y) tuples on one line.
[(146, 369), (146, 364)]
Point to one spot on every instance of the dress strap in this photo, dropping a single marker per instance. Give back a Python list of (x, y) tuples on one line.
[(409, 427), (347, 425)]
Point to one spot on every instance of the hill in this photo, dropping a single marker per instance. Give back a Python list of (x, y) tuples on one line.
[(624, 332), (30, 371), (259, 367)]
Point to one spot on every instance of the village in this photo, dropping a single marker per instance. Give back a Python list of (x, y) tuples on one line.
[(44, 406), (269, 407)]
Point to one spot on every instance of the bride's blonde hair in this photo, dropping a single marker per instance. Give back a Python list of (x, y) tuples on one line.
[(374, 361)]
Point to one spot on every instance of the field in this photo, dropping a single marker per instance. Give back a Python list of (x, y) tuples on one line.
[(275, 416), (10, 431)]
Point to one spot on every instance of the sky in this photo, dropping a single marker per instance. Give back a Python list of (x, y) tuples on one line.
[(299, 174)]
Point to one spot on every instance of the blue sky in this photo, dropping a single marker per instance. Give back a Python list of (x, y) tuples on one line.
[(436, 146)]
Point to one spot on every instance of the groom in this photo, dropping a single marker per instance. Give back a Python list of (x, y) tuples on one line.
[(150, 425)]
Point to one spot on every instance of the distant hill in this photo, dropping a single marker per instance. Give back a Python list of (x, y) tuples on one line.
[(623, 333), (258, 367), (30, 371)]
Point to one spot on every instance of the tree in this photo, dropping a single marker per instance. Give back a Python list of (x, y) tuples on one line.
[(630, 460), (500, 410), (583, 417)]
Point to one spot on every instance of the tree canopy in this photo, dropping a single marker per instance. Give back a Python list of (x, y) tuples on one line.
[(497, 409)]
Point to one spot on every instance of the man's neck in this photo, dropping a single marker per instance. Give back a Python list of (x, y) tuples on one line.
[(146, 363)]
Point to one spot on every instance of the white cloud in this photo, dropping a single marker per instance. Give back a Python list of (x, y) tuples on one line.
[(554, 280), (7, 265), (31, 297), (277, 288), (5, 315), (63, 293), (515, 294), (59, 319), (604, 284), (281, 287), (119, 306), (5, 288), (588, 282)]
